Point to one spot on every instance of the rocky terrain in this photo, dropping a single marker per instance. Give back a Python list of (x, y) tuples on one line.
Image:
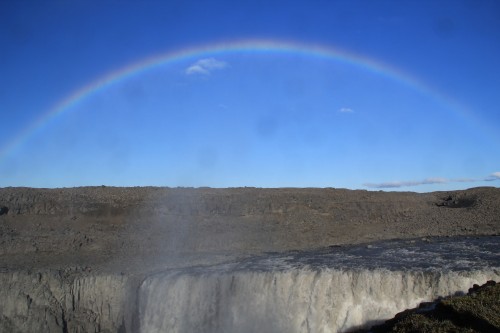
[(63, 250)]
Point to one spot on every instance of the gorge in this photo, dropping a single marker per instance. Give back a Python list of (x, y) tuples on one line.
[(107, 259)]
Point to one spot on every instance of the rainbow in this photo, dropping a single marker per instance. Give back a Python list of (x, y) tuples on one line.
[(219, 49)]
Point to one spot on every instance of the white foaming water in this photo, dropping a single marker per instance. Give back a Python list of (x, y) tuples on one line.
[(310, 292)]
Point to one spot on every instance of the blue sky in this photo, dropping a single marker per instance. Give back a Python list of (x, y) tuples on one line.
[(426, 119)]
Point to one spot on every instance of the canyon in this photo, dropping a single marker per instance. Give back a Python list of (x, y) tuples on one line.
[(150, 259)]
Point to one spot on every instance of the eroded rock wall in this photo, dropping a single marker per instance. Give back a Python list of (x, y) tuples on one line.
[(56, 302)]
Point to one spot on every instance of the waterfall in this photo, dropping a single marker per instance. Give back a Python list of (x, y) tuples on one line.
[(302, 300), (328, 291)]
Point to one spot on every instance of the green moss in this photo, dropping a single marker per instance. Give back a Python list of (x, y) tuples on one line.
[(419, 323), (482, 304)]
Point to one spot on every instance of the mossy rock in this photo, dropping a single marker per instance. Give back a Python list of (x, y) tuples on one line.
[(423, 324), (478, 311)]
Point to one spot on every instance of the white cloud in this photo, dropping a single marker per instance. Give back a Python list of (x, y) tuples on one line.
[(384, 185), (346, 110), (397, 184), (205, 66), (465, 180), (427, 181), (492, 177), (436, 180)]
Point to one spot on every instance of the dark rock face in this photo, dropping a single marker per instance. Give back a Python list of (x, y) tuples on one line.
[(478, 311), (3, 210), (66, 301)]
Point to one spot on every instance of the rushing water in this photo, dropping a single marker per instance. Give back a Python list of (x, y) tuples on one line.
[(331, 290)]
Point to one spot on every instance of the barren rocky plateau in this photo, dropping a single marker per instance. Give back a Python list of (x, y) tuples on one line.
[(112, 227), (71, 259)]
